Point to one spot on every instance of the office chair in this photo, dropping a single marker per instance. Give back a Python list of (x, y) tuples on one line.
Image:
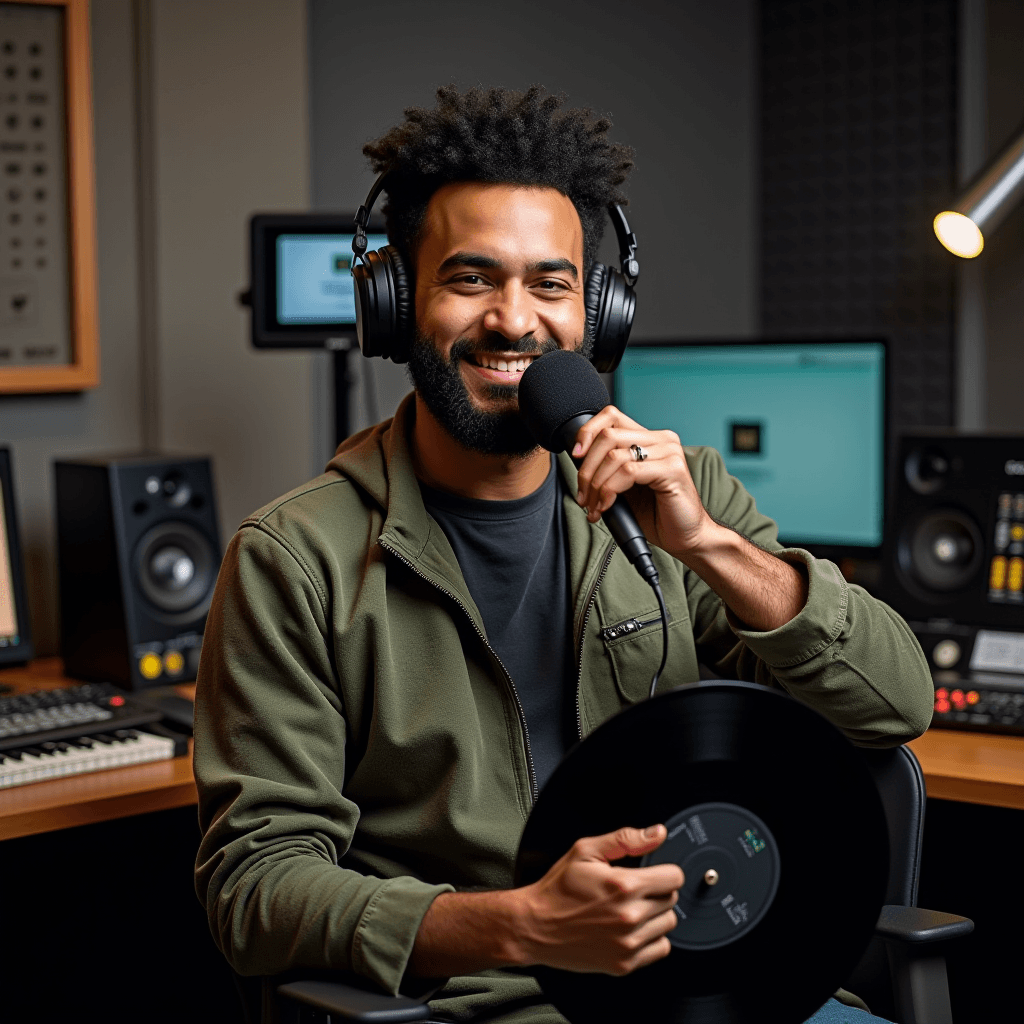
[(902, 974)]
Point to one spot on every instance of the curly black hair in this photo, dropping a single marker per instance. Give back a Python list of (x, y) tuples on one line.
[(503, 137)]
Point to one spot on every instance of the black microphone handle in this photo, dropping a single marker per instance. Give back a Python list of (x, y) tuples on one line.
[(619, 518)]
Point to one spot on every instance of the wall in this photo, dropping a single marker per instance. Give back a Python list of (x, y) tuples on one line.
[(677, 78), (231, 138), (228, 81)]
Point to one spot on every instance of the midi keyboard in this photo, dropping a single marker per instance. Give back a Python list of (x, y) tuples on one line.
[(49, 734)]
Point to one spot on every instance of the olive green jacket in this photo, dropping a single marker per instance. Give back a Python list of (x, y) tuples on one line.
[(359, 747)]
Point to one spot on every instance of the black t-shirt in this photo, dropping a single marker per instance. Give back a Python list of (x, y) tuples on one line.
[(514, 557)]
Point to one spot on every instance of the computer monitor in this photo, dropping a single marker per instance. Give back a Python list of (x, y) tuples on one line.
[(301, 290), (802, 424), (15, 635)]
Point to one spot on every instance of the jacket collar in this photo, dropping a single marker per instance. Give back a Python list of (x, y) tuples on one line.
[(379, 461)]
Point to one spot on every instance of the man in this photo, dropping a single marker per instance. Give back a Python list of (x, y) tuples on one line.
[(400, 651)]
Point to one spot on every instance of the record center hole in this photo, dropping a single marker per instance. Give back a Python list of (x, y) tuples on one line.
[(711, 877)]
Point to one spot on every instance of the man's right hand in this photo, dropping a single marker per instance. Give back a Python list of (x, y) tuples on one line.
[(588, 914)]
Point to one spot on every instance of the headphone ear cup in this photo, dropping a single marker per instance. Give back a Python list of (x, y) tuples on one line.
[(383, 304), (611, 304), (402, 291)]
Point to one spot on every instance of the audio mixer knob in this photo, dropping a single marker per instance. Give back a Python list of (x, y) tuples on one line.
[(946, 653)]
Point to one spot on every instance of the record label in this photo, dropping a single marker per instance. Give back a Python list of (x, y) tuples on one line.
[(731, 864)]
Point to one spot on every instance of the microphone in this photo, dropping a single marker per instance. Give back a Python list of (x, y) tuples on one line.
[(558, 393)]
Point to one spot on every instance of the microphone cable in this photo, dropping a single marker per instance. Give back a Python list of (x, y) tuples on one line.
[(656, 587)]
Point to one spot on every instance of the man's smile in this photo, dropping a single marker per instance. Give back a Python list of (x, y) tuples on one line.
[(499, 368)]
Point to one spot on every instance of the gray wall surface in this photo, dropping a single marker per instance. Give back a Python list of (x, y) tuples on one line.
[(230, 92), (677, 78)]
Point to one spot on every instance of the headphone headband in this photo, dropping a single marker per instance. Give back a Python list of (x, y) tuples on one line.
[(363, 214), (627, 244)]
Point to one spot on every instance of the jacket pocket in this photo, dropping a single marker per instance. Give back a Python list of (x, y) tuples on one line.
[(634, 646)]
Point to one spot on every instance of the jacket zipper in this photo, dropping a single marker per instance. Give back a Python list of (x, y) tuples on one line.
[(534, 789), (583, 634)]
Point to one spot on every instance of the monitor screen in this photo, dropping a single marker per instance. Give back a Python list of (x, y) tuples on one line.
[(15, 643), (801, 424), (301, 291), (314, 278), (8, 612)]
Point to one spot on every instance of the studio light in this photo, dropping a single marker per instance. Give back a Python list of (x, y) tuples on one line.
[(985, 205)]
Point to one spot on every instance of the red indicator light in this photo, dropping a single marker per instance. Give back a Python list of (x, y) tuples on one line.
[(942, 706), (942, 693), (116, 702), (972, 697)]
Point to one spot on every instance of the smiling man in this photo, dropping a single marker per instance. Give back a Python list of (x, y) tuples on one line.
[(400, 651)]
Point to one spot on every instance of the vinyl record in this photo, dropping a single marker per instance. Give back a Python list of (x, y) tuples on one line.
[(778, 826)]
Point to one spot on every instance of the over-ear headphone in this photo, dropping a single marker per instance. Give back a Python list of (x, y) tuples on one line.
[(384, 294)]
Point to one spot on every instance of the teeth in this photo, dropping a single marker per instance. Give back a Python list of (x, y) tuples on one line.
[(504, 365)]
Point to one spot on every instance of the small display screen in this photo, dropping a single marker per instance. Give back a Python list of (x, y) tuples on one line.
[(802, 425), (314, 278), (9, 636), (998, 652)]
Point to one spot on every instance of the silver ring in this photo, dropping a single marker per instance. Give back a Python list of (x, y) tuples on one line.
[(639, 454)]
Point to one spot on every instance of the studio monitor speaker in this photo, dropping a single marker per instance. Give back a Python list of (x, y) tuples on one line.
[(138, 550), (954, 543)]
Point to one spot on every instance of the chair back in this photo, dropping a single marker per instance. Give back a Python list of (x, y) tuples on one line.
[(901, 787), (250, 994)]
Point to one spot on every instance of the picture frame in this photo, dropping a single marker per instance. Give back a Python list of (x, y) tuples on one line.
[(74, 364)]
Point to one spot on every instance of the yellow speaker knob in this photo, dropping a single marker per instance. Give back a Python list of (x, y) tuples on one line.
[(150, 665), (174, 663)]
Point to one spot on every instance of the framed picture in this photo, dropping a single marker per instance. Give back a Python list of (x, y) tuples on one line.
[(48, 315)]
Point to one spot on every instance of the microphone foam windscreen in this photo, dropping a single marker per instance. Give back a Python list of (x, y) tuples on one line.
[(555, 388)]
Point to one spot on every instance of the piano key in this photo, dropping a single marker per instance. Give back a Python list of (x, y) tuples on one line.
[(37, 764)]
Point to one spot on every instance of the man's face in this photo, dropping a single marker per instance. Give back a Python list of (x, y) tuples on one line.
[(499, 281)]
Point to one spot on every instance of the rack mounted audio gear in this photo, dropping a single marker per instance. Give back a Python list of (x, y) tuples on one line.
[(978, 675)]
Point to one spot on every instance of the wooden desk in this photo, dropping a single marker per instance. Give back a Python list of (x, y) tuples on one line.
[(967, 766), (972, 767), (95, 796)]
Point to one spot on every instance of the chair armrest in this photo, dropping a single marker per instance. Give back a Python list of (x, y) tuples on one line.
[(346, 1002), (914, 925)]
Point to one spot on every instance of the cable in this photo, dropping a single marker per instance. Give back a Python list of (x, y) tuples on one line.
[(656, 587)]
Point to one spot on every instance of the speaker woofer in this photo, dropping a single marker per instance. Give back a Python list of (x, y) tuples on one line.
[(942, 551), (176, 567)]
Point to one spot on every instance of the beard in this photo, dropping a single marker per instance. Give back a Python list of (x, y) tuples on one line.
[(438, 381)]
